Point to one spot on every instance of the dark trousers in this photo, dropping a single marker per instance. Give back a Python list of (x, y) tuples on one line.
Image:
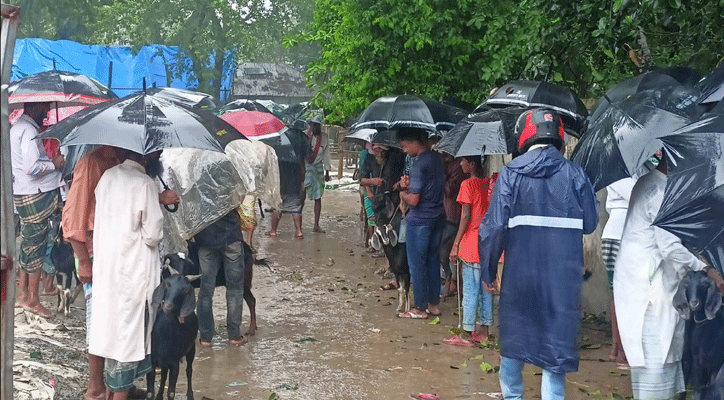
[(423, 256), (449, 231), (231, 257)]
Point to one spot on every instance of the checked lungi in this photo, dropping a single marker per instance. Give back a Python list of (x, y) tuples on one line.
[(314, 181), (35, 211), (609, 252)]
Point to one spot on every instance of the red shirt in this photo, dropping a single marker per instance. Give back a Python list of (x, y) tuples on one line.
[(473, 191)]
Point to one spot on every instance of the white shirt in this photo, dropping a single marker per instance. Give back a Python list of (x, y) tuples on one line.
[(33, 172), (649, 267), (617, 199), (323, 153), (128, 227)]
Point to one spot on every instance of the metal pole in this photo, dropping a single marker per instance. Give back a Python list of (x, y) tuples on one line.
[(10, 19), (110, 75)]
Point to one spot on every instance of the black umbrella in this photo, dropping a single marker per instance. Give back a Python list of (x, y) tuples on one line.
[(626, 134), (392, 112), (693, 205), (530, 94), (188, 98), (489, 132), (360, 136), (64, 88), (243, 104), (656, 79), (712, 87), (144, 123)]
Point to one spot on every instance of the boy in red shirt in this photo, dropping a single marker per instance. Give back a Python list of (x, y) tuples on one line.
[(474, 199)]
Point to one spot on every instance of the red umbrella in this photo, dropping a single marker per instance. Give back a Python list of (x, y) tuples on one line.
[(255, 125)]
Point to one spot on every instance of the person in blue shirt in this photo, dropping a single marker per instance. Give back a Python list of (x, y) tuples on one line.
[(423, 192)]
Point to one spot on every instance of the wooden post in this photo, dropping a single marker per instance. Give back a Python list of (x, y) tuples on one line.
[(10, 19)]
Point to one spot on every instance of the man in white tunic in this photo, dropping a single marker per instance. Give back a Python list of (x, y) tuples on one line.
[(649, 267), (128, 227)]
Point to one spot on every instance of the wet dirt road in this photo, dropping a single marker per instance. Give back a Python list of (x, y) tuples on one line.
[(326, 332)]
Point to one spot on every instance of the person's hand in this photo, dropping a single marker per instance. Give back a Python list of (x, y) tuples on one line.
[(454, 253), (377, 181), (85, 271), (405, 182), (370, 196), (168, 197), (326, 176), (492, 289), (716, 278), (59, 161)]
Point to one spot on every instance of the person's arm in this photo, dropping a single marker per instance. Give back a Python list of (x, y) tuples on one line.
[(85, 266), (415, 183), (151, 215), (671, 249), (326, 159), (589, 203), (411, 199), (464, 221), (34, 163)]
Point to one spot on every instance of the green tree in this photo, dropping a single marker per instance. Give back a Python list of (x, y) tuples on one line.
[(464, 48), (203, 29), (58, 19)]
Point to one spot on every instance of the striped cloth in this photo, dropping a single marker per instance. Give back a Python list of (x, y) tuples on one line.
[(656, 380), (119, 376), (609, 252), (314, 181), (34, 211)]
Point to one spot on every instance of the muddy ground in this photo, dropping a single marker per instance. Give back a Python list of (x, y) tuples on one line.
[(325, 332)]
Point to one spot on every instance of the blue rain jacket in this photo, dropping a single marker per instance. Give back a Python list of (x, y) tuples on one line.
[(542, 206)]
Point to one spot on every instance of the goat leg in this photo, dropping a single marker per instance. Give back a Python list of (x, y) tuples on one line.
[(162, 383), (172, 378), (251, 302), (150, 381), (189, 369)]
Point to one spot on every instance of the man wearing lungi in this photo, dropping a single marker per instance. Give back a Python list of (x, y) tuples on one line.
[(318, 166), (36, 180)]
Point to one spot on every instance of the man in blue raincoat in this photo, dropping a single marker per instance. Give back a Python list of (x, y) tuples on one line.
[(542, 206)]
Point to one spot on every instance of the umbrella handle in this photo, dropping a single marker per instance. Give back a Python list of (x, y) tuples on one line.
[(169, 207)]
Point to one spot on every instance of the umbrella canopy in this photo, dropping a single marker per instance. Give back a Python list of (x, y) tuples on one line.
[(243, 104), (693, 205), (360, 136), (387, 138), (65, 88), (144, 123), (188, 98), (489, 132), (626, 134), (393, 112), (530, 94), (712, 87), (647, 81), (267, 128)]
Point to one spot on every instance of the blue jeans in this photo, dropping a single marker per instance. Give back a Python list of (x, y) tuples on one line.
[(475, 297), (231, 257), (553, 386), (423, 256)]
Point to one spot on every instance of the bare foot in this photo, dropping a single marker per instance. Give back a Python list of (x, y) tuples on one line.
[(39, 310), (203, 343), (92, 396), (299, 235), (239, 342), (433, 309), (318, 230)]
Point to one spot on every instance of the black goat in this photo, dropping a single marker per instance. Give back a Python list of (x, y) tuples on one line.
[(249, 262), (175, 328), (700, 304), (61, 255), (388, 222)]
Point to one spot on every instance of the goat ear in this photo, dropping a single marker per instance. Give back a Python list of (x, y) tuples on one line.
[(189, 305), (713, 302), (192, 278), (680, 302), (158, 295)]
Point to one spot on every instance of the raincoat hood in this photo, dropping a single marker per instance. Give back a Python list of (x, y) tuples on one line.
[(538, 163)]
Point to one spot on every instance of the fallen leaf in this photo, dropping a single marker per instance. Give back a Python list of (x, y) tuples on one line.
[(435, 321)]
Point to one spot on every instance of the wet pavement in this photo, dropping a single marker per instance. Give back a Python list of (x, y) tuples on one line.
[(327, 332)]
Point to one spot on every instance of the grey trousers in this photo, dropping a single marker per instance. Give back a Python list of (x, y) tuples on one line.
[(231, 257)]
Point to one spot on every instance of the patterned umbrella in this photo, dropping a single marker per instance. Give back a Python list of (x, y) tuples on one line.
[(64, 88)]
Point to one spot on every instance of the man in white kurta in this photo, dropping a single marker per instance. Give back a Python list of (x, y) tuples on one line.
[(649, 267), (126, 269)]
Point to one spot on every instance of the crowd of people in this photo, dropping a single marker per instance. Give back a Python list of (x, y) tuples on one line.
[(517, 234)]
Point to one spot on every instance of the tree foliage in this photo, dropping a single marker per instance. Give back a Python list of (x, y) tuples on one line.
[(464, 48), (57, 19)]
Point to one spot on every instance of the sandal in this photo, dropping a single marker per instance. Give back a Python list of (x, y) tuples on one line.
[(456, 340), (411, 315)]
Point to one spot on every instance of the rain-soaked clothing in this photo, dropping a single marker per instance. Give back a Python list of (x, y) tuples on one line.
[(542, 206)]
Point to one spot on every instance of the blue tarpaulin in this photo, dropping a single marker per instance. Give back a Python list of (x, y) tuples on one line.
[(154, 62)]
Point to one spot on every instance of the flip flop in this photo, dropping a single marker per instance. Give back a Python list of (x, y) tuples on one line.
[(456, 340), (411, 315)]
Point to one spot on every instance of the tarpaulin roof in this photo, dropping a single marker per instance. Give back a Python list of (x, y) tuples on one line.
[(153, 62)]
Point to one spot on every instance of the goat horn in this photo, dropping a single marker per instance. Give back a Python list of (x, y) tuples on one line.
[(192, 278), (172, 269)]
